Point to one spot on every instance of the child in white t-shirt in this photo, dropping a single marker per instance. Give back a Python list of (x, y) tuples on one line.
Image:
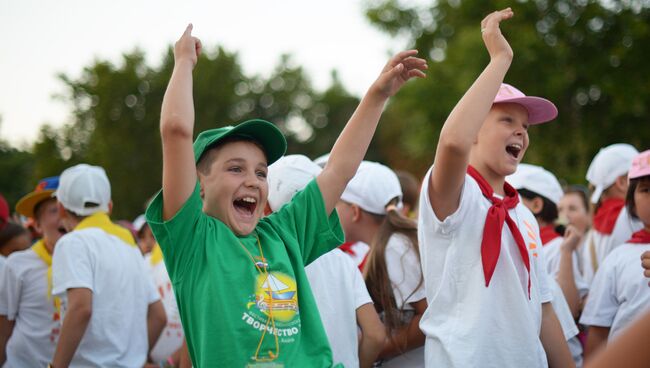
[(485, 277), (340, 293), (619, 294), (369, 211)]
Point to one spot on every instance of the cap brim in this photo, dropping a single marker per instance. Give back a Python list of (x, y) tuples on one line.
[(26, 204), (540, 110), (595, 196), (262, 131)]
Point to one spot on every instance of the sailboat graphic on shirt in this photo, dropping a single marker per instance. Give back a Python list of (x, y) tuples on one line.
[(275, 295)]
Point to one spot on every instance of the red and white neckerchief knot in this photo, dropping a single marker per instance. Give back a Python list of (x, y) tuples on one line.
[(498, 214)]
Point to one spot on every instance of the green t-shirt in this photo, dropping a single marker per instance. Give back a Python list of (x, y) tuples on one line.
[(223, 298)]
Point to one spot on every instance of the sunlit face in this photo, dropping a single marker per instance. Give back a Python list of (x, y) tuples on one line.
[(572, 208), (48, 221), (642, 202), (503, 138), (235, 191)]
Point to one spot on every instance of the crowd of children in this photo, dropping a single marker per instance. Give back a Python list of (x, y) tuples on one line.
[(250, 258)]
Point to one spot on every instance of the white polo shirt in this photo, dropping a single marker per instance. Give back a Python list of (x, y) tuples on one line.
[(553, 254), (122, 291), (24, 299), (619, 293), (468, 324), (339, 289)]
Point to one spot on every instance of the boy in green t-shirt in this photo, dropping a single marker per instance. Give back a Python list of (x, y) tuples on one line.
[(239, 279)]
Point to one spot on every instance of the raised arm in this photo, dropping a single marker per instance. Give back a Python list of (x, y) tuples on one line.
[(177, 127), (353, 142), (465, 120)]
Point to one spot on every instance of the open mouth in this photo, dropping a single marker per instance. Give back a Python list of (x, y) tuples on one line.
[(61, 230), (514, 150), (245, 205)]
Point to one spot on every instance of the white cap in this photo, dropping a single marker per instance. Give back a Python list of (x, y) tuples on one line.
[(322, 160), (287, 176), (610, 163), (84, 190), (372, 187), (139, 223), (537, 180)]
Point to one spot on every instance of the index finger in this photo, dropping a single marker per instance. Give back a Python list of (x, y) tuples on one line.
[(188, 30)]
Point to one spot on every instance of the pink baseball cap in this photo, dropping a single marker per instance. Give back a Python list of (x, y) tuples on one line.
[(540, 110), (640, 165)]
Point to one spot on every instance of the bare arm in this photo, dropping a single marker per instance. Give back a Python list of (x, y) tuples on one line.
[(553, 340), (185, 359), (77, 317), (373, 335), (596, 339), (465, 120), (408, 337), (156, 321), (177, 127), (352, 144), (6, 329), (630, 349), (565, 275)]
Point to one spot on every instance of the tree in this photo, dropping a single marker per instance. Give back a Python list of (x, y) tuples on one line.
[(586, 56)]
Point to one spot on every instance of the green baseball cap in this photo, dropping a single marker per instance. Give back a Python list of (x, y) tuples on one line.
[(262, 131)]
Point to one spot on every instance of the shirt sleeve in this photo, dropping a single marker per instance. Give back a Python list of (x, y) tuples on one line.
[(10, 290), (304, 220), (543, 278), (601, 307), (72, 266), (404, 271), (178, 236)]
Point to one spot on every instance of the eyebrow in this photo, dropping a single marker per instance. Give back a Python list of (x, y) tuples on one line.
[(238, 160)]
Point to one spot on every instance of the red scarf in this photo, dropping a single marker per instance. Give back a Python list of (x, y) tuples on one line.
[(605, 217), (498, 214), (548, 233), (640, 237), (347, 248)]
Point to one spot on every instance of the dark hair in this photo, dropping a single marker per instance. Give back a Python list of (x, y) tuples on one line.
[(11, 231), (629, 197), (204, 164), (410, 188), (376, 272), (581, 191), (548, 213)]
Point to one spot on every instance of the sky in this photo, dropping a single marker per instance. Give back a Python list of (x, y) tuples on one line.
[(41, 39)]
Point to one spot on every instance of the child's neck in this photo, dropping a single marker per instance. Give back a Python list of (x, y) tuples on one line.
[(495, 180)]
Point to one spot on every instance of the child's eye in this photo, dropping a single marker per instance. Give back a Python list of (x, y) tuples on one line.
[(236, 169), (261, 174)]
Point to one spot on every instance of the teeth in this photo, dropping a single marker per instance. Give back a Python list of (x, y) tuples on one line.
[(249, 199), (515, 145)]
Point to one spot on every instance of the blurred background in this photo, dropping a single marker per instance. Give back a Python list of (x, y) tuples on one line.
[(304, 66)]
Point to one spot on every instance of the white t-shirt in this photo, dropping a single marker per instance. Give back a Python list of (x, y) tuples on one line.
[(553, 254), (604, 243), (404, 271), (360, 250), (468, 324), (619, 293), (122, 291), (24, 299), (171, 337), (569, 328), (339, 289)]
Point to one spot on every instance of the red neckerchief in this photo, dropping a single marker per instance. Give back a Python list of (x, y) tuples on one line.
[(640, 237), (362, 265), (347, 248), (605, 217), (548, 233), (498, 214)]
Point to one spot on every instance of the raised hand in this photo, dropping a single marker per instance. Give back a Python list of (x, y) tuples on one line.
[(187, 48), (399, 69), (496, 44), (572, 238), (645, 263)]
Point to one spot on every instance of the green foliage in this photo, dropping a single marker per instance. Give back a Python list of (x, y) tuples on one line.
[(586, 57)]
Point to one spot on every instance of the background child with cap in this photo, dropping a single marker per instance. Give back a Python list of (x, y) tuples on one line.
[(619, 292), (471, 221), (111, 311), (612, 225), (339, 290), (29, 314), (369, 210), (208, 221)]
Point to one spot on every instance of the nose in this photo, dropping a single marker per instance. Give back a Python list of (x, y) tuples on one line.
[(252, 180)]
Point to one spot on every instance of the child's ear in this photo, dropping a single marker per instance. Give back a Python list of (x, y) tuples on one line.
[(356, 213), (538, 205), (622, 183)]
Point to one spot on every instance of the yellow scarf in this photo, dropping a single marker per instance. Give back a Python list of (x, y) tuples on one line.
[(41, 251), (102, 221), (156, 255)]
